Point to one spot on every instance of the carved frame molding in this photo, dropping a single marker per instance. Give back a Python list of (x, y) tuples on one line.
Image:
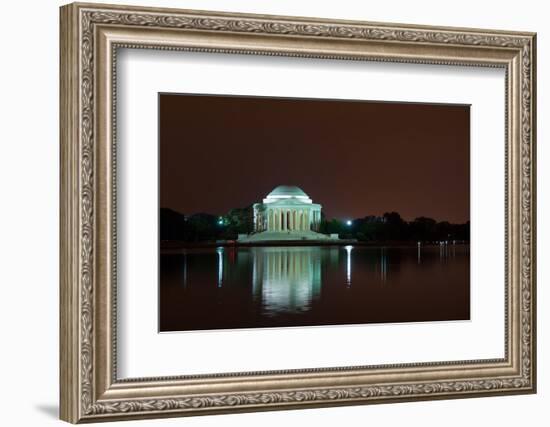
[(90, 37)]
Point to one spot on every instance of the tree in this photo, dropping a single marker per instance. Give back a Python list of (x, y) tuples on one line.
[(239, 221), (172, 225), (443, 231), (262, 217), (370, 228), (422, 229), (334, 227), (394, 227), (203, 227)]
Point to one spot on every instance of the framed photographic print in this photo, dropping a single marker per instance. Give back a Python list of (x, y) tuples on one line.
[(263, 212)]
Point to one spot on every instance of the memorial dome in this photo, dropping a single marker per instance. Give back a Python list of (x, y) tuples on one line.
[(287, 191), (287, 209)]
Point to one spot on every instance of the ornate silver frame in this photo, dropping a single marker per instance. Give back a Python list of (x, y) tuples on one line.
[(90, 36)]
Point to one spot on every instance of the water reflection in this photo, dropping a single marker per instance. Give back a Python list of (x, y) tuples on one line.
[(219, 251), (229, 287), (383, 264), (184, 270), (286, 279), (348, 264)]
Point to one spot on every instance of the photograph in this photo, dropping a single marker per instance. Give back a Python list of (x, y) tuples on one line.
[(269, 208), (292, 212)]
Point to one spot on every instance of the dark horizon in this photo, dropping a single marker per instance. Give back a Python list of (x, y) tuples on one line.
[(355, 158), (188, 214)]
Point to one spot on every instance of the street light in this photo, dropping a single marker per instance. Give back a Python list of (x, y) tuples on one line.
[(348, 222)]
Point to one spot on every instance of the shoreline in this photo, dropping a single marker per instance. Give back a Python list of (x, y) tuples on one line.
[(170, 246)]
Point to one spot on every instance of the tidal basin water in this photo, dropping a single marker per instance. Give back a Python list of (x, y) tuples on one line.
[(254, 287)]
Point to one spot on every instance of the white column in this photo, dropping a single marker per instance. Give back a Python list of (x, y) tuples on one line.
[(315, 219), (289, 220)]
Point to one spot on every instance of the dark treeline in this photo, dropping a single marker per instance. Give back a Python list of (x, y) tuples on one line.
[(391, 227), (202, 227)]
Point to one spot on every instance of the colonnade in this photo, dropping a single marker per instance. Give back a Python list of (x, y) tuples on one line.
[(283, 219)]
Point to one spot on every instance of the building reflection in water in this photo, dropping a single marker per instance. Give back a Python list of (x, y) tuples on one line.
[(286, 279), (237, 287)]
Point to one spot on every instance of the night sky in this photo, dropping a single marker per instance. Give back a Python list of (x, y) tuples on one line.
[(355, 158)]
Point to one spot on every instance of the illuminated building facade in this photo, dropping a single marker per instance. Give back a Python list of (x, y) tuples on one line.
[(287, 209), (287, 213)]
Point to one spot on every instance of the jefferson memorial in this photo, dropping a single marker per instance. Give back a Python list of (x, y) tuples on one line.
[(287, 213)]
